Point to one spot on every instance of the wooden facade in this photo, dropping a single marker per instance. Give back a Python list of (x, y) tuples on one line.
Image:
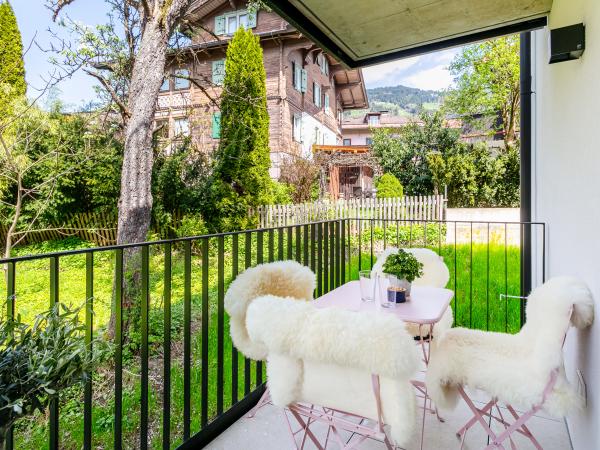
[(284, 52)]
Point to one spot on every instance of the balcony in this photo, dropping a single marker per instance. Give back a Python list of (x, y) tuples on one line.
[(184, 388)]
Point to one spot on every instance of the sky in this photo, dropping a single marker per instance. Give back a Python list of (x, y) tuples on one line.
[(424, 72)]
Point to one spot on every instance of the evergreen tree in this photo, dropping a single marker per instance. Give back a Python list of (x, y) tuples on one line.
[(241, 175), (12, 69)]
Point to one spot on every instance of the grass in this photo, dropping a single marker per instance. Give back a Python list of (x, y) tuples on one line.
[(479, 274)]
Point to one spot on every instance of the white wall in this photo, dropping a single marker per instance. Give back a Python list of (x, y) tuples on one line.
[(314, 132), (567, 186)]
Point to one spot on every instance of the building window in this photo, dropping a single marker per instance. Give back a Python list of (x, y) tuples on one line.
[(299, 77), (323, 64), (369, 141), (165, 86), (326, 97), (229, 23), (182, 127), (317, 94), (373, 120), (297, 128), (161, 129), (181, 83), (347, 141)]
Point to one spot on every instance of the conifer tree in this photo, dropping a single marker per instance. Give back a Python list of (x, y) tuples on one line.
[(12, 69), (241, 175)]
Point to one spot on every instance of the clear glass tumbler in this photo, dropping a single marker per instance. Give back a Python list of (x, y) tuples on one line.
[(367, 286)]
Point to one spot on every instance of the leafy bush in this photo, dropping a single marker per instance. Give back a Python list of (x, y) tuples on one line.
[(403, 265), (281, 193), (388, 186), (191, 225), (37, 362)]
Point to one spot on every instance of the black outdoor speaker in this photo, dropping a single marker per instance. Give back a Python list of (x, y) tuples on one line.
[(567, 43)]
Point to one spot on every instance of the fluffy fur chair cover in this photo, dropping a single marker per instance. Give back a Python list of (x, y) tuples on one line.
[(283, 278), (326, 357), (515, 369), (435, 274)]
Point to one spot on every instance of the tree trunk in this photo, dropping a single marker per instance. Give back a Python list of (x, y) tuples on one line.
[(135, 202)]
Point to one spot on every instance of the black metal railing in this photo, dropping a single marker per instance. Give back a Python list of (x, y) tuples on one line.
[(177, 381)]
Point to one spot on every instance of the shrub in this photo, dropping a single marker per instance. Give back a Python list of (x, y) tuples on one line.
[(241, 177), (281, 193), (38, 361), (388, 186)]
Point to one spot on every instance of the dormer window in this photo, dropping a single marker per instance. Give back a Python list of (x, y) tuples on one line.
[(373, 120), (230, 22)]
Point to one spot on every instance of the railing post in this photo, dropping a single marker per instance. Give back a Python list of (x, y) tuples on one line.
[(54, 411)]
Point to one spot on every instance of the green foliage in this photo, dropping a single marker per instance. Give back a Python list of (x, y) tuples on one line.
[(241, 176), (12, 68), (388, 186), (403, 152), (39, 360), (476, 178), (67, 163), (281, 193), (487, 83), (179, 184), (191, 225), (403, 265)]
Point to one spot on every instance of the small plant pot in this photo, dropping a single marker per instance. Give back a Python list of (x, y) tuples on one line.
[(400, 283), (396, 295)]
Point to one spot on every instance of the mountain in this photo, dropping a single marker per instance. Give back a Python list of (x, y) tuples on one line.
[(403, 100)]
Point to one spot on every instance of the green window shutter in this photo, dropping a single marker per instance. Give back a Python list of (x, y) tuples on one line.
[(218, 72), (252, 19), (216, 125), (303, 80), (220, 25)]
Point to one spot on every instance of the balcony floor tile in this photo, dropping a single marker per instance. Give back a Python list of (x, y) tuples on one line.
[(268, 431)]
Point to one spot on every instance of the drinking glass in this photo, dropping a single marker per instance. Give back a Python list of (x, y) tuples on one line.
[(367, 286), (384, 284)]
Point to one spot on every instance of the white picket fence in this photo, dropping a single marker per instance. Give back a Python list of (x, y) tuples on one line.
[(432, 207)]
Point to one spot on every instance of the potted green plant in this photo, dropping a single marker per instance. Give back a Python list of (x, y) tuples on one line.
[(402, 268), (39, 360)]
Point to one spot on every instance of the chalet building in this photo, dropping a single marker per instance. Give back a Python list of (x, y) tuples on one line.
[(307, 89), (359, 130)]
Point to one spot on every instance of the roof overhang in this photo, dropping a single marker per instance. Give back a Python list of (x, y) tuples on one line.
[(361, 33)]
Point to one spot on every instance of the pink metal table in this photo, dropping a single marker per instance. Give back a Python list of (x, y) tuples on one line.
[(425, 308)]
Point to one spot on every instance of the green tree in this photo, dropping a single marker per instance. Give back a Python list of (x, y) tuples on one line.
[(12, 68), (388, 186), (403, 152), (241, 175), (487, 83)]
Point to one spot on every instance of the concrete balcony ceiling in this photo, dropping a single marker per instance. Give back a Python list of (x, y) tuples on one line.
[(360, 32)]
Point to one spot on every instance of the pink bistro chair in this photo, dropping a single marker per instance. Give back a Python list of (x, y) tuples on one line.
[(284, 278), (348, 370), (525, 371)]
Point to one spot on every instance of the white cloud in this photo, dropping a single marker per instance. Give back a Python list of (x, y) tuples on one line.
[(428, 71)]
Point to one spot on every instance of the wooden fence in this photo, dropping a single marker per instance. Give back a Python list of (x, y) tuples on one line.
[(431, 207), (99, 228)]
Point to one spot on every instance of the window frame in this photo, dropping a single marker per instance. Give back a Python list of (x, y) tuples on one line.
[(346, 141), (236, 14), (176, 79), (184, 134)]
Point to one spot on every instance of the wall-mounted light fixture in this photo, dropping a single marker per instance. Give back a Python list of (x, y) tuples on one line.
[(567, 43)]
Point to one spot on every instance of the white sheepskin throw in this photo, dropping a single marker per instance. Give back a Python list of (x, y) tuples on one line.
[(515, 369), (326, 356), (282, 278), (435, 274)]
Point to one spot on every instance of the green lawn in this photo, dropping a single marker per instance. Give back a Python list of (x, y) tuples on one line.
[(479, 274)]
